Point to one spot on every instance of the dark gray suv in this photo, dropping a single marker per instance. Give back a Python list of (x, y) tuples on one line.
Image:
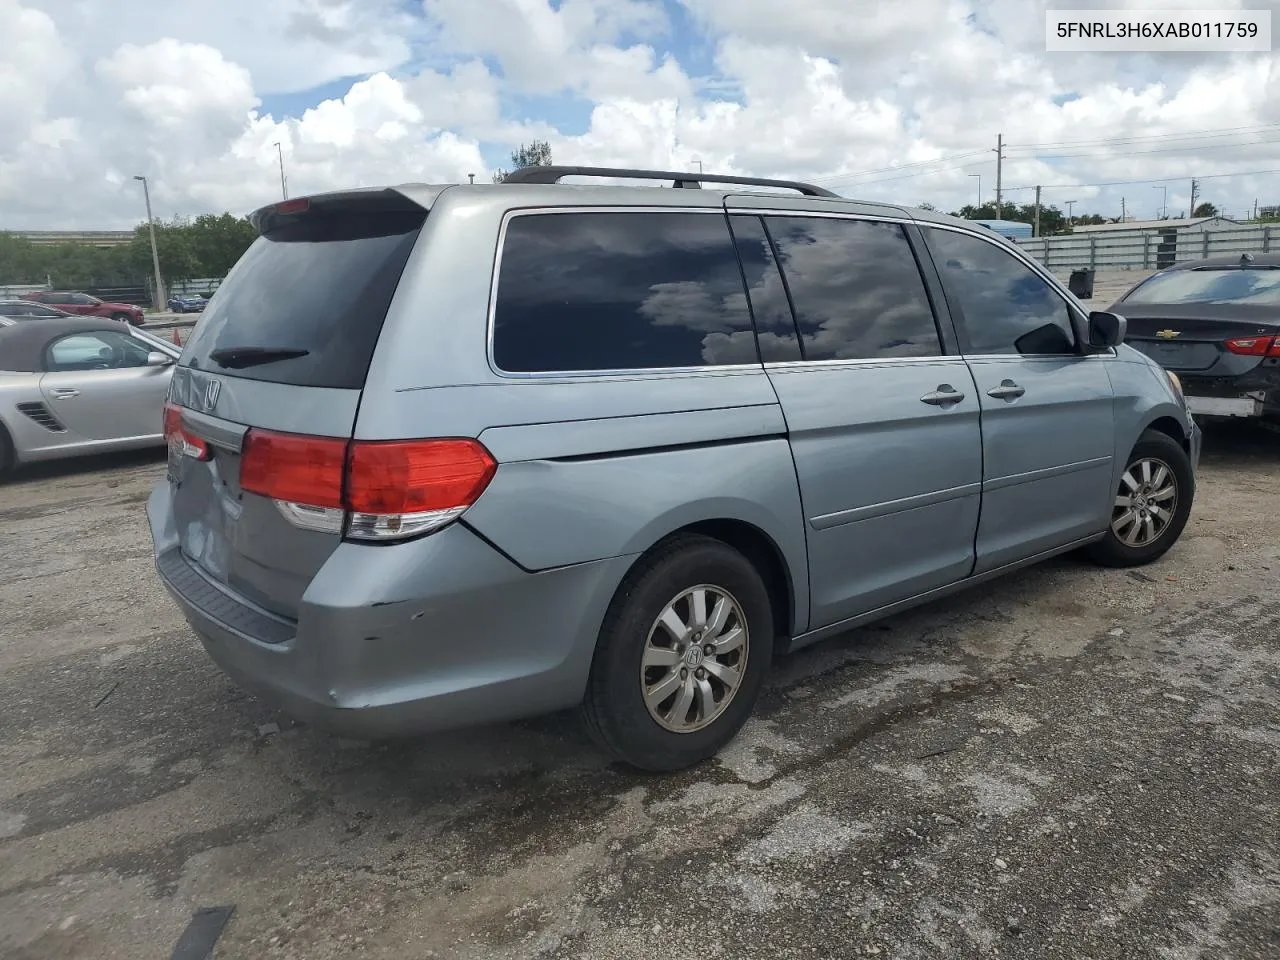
[(443, 455)]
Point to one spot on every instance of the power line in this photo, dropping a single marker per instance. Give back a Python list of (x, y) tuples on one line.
[(1122, 183), (1221, 131), (1189, 148), (896, 167)]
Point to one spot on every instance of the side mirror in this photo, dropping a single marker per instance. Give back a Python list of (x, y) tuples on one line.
[(1106, 329), (157, 358)]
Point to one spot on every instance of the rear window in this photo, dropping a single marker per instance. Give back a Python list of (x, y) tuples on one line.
[(313, 293), (1230, 285), (620, 291)]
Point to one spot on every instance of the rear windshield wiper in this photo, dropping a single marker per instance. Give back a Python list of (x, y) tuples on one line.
[(236, 358)]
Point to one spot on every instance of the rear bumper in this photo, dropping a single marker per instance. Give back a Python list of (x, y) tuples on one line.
[(1249, 395), (428, 635)]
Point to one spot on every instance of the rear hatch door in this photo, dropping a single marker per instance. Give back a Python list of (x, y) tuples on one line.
[(283, 347)]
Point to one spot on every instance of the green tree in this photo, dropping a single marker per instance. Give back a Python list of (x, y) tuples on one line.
[(1205, 210), (536, 154), (207, 246)]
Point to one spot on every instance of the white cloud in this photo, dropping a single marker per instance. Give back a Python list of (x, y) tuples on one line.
[(95, 91)]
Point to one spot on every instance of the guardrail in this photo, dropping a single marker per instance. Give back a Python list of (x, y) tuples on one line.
[(1148, 249)]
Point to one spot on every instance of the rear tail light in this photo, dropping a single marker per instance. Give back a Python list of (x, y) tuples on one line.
[(180, 439), (376, 490), (1253, 346)]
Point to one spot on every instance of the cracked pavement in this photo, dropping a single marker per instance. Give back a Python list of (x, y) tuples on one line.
[(1070, 762)]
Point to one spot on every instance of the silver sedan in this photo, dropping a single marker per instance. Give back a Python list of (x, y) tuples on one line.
[(77, 385)]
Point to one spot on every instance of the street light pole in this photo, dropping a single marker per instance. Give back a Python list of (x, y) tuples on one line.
[(979, 176), (1069, 204), (1164, 200), (155, 253), (280, 156)]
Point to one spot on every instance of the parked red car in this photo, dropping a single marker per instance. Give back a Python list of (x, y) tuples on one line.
[(89, 306)]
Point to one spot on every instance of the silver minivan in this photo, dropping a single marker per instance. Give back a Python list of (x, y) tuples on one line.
[(453, 454)]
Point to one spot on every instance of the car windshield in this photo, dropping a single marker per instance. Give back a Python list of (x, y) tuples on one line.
[(1221, 285)]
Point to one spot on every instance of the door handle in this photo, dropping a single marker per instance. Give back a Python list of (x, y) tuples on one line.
[(1008, 390), (944, 395), (64, 393)]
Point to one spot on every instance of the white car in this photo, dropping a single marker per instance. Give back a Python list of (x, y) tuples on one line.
[(77, 385)]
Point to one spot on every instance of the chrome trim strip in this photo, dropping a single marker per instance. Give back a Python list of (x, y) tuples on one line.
[(883, 509), (1013, 480), (798, 366), (824, 214)]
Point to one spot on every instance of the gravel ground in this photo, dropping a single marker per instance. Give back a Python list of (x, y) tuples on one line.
[(1071, 763)]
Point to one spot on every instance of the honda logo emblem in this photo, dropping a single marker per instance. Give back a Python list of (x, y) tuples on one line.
[(211, 393)]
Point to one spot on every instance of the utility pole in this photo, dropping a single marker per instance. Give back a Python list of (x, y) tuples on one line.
[(1070, 205), (1255, 208), (1191, 210), (1035, 231), (999, 170), (1122, 216), (979, 176), (1164, 204), (280, 156), (155, 253)]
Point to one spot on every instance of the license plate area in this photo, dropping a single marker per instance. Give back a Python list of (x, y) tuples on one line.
[(1180, 356), (1224, 406)]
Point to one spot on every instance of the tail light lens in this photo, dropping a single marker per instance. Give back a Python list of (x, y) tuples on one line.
[(1253, 346), (377, 490), (179, 439)]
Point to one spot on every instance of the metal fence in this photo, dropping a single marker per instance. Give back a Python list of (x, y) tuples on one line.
[(183, 287), (1148, 249)]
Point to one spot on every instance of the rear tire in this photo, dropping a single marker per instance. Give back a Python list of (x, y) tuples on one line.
[(698, 700), (122, 317), (1157, 487)]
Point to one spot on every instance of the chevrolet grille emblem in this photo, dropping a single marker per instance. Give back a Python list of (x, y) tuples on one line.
[(1168, 334)]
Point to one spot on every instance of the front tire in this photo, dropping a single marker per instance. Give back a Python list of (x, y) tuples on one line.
[(1151, 505), (8, 456), (684, 649)]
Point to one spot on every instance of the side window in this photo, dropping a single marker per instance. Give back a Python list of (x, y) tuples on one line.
[(1007, 307), (80, 299), (775, 326), (856, 289), (620, 291), (101, 350)]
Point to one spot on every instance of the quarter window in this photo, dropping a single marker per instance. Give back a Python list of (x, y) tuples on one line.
[(1007, 307), (856, 289), (620, 291)]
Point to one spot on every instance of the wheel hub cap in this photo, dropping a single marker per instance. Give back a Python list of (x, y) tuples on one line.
[(1145, 503), (694, 659)]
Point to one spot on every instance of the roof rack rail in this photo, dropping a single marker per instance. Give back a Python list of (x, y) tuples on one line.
[(688, 181)]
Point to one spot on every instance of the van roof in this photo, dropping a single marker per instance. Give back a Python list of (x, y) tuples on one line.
[(532, 184)]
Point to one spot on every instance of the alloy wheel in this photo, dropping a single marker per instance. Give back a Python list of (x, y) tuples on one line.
[(1145, 503), (694, 658)]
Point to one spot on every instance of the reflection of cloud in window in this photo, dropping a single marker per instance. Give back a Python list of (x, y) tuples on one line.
[(856, 288)]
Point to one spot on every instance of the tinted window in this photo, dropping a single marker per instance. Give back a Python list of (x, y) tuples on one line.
[(856, 289), (1007, 307), (1231, 285), (615, 291), (101, 350), (320, 285), (775, 326)]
